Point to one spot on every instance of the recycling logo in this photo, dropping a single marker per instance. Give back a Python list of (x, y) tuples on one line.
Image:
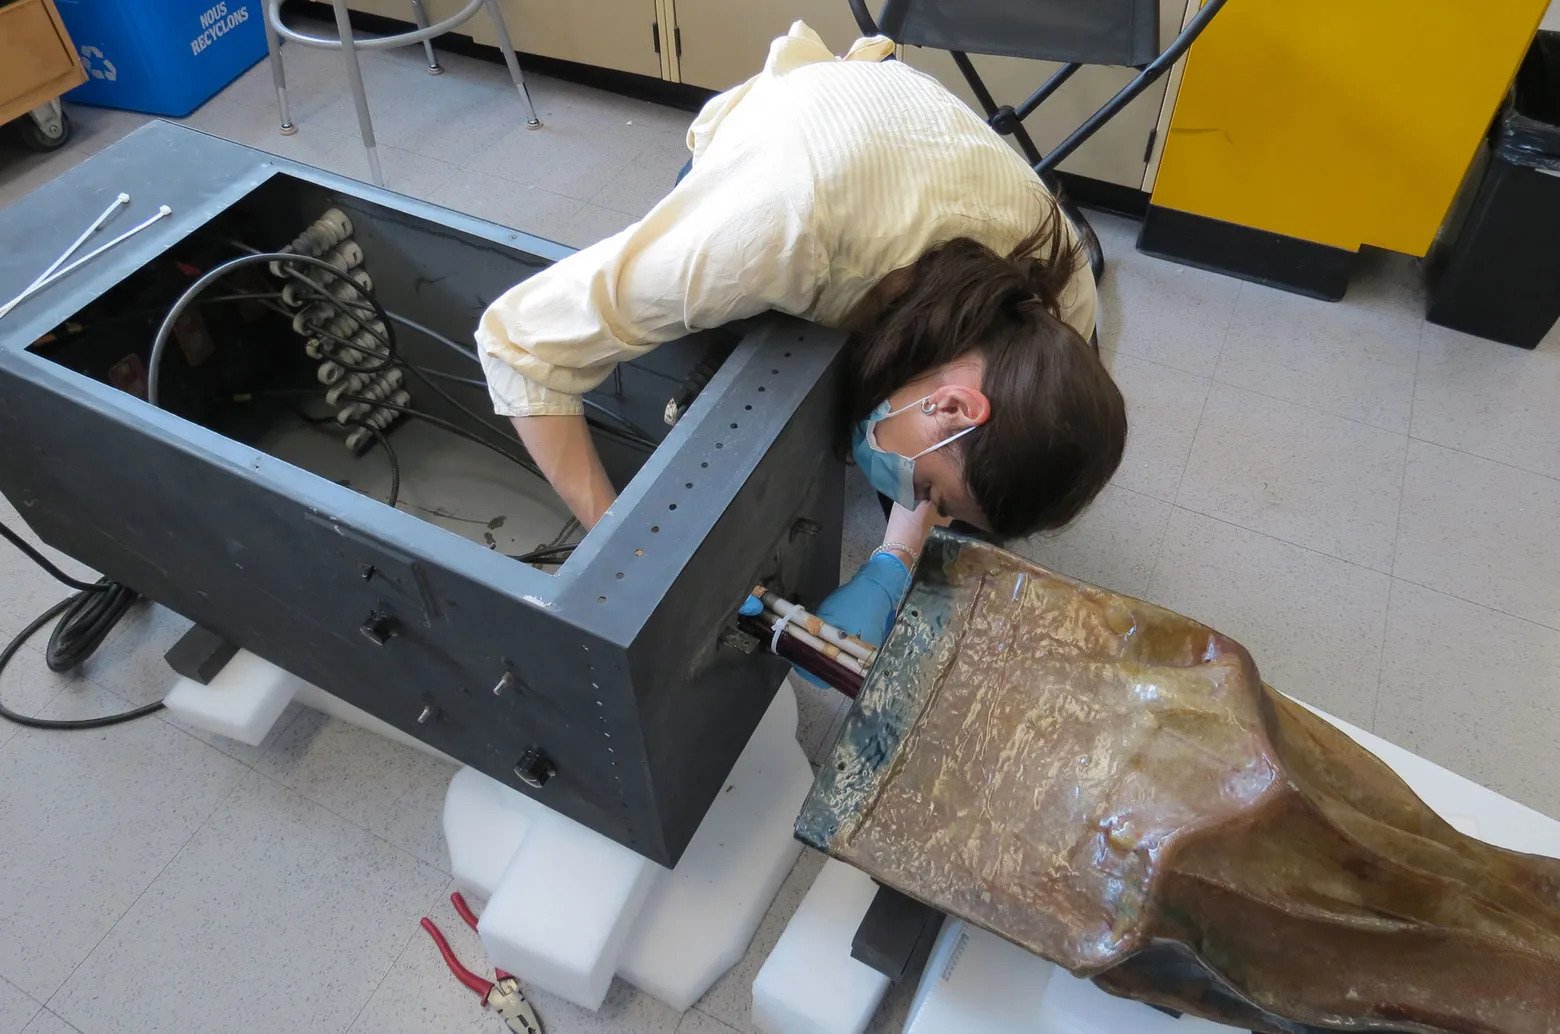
[(98, 66)]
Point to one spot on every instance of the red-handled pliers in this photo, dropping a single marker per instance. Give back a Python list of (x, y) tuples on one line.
[(501, 994)]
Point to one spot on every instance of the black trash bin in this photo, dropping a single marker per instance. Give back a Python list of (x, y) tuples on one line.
[(1499, 277)]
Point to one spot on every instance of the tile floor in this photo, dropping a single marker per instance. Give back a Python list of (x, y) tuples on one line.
[(1371, 503)]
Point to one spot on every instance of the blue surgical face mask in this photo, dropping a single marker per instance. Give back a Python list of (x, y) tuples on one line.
[(890, 473)]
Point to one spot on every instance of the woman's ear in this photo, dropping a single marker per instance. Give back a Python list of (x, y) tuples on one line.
[(959, 406)]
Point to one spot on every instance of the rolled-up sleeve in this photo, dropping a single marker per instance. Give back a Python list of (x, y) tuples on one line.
[(727, 243)]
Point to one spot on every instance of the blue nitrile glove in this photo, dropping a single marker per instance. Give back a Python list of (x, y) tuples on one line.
[(864, 606)]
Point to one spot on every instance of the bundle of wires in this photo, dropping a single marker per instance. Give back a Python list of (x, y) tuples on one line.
[(86, 619)]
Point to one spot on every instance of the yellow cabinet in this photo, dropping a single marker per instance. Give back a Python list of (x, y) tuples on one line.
[(1336, 122)]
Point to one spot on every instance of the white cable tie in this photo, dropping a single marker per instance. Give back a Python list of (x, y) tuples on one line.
[(774, 640), (42, 279), (88, 257)]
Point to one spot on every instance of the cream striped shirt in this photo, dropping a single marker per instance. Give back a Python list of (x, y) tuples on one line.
[(811, 181)]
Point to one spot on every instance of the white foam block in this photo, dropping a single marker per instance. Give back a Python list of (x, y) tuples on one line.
[(810, 984), (563, 908), (974, 980), (699, 918), (242, 702), (484, 823)]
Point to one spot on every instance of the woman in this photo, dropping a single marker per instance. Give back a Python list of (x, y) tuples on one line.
[(859, 193)]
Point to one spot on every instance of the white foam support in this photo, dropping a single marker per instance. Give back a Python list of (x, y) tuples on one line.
[(242, 702), (976, 981), (563, 908), (568, 908), (810, 984), (971, 971), (484, 822), (700, 917)]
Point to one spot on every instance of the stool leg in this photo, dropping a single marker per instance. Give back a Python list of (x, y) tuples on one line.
[(359, 95), (273, 46), (420, 16), (531, 121)]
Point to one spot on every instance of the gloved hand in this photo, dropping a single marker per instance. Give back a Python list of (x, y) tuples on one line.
[(863, 606)]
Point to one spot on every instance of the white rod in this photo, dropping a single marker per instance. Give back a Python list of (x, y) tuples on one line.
[(816, 625), (88, 257), (829, 650)]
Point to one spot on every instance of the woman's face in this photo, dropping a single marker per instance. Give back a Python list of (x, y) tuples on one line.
[(956, 403)]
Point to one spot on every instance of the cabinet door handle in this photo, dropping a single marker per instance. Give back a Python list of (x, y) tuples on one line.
[(655, 36)]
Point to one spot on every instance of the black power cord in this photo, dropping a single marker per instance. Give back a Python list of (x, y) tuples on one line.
[(86, 619)]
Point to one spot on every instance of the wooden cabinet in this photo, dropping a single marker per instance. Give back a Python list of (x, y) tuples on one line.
[(37, 61)]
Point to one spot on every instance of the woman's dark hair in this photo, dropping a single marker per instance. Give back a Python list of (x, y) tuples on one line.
[(1058, 424)]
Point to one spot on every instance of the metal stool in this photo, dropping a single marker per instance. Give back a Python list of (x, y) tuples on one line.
[(348, 44)]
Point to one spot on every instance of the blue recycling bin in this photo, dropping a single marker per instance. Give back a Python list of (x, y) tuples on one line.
[(163, 57)]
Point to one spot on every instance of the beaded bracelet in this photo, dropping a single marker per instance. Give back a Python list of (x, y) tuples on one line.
[(887, 549)]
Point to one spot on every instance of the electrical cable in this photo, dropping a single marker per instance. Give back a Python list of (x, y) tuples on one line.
[(418, 414), (394, 494), (86, 619), (639, 433), (42, 561), (553, 555), (446, 425), (639, 436), (165, 331)]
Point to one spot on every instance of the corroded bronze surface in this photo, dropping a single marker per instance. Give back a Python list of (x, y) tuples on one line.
[(1111, 786)]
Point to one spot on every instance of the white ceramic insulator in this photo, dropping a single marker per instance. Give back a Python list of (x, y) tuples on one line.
[(302, 322), (344, 256), (371, 338), (324, 320), (352, 384), (351, 413), (374, 391), (388, 380), (329, 229), (295, 294), (314, 349), (378, 419), (328, 373)]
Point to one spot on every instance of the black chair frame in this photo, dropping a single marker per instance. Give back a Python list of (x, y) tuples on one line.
[(1009, 120)]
